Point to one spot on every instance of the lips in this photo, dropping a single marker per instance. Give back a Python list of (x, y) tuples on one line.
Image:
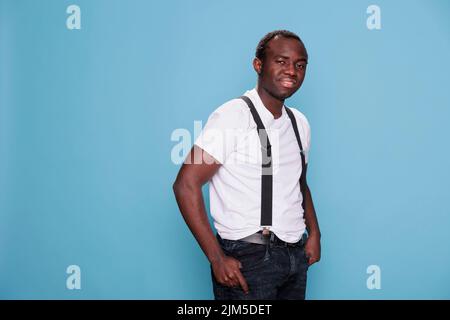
[(288, 83)]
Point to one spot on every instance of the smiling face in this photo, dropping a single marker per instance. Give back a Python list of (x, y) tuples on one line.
[(282, 69)]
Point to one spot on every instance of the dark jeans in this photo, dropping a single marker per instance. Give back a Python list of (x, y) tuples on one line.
[(274, 271)]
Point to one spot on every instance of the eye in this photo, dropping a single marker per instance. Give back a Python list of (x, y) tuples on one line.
[(301, 66), (280, 62)]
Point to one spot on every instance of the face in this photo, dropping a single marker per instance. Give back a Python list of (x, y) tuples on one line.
[(283, 68)]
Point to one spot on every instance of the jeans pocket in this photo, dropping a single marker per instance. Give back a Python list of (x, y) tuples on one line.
[(227, 246), (250, 255)]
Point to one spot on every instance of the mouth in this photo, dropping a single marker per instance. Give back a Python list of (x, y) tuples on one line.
[(288, 83)]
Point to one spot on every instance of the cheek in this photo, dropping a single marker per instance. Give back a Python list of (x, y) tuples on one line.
[(301, 76), (300, 80), (270, 75), (271, 69), (270, 72)]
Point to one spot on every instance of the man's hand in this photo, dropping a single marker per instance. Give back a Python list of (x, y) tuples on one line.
[(312, 249), (226, 271)]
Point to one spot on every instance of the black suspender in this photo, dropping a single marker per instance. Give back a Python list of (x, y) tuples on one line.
[(299, 141), (267, 171)]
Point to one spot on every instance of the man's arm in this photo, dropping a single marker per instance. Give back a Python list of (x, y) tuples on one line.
[(198, 168), (312, 246)]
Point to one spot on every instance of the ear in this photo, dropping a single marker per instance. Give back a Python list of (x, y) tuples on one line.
[(257, 65)]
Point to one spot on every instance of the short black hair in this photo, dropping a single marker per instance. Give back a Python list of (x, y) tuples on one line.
[(262, 45)]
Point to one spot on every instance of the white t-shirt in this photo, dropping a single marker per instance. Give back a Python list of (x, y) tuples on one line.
[(230, 136)]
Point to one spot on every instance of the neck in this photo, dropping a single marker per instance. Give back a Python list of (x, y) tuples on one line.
[(273, 104)]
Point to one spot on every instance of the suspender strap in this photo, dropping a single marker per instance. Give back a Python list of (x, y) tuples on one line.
[(302, 155), (266, 170)]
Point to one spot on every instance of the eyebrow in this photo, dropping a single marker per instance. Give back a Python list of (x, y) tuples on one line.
[(284, 57)]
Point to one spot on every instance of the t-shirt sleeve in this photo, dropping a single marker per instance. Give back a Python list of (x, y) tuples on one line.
[(221, 133)]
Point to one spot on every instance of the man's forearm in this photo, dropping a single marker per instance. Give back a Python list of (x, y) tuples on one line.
[(192, 206), (309, 214)]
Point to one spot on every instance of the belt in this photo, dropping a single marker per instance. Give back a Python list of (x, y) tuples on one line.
[(259, 238)]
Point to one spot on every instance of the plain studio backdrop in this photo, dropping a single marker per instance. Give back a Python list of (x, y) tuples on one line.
[(92, 96)]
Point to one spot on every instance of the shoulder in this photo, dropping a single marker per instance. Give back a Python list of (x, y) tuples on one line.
[(233, 107), (233, 114)]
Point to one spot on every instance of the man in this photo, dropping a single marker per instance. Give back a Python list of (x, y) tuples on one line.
[(259, 197)]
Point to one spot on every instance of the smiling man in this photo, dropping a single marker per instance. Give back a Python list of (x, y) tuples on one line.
[(254, 152)]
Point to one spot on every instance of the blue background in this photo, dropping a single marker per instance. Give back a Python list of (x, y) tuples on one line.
[(86, 118)]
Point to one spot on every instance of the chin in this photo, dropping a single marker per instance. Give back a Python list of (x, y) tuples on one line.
[(283, 95)]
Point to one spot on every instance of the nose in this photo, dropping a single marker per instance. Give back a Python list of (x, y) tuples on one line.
[(289, 69)]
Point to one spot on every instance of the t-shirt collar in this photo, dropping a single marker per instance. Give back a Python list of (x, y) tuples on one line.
[(264, 113)]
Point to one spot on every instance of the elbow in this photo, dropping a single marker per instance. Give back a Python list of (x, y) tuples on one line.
[(181, 185), (176, 187)]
